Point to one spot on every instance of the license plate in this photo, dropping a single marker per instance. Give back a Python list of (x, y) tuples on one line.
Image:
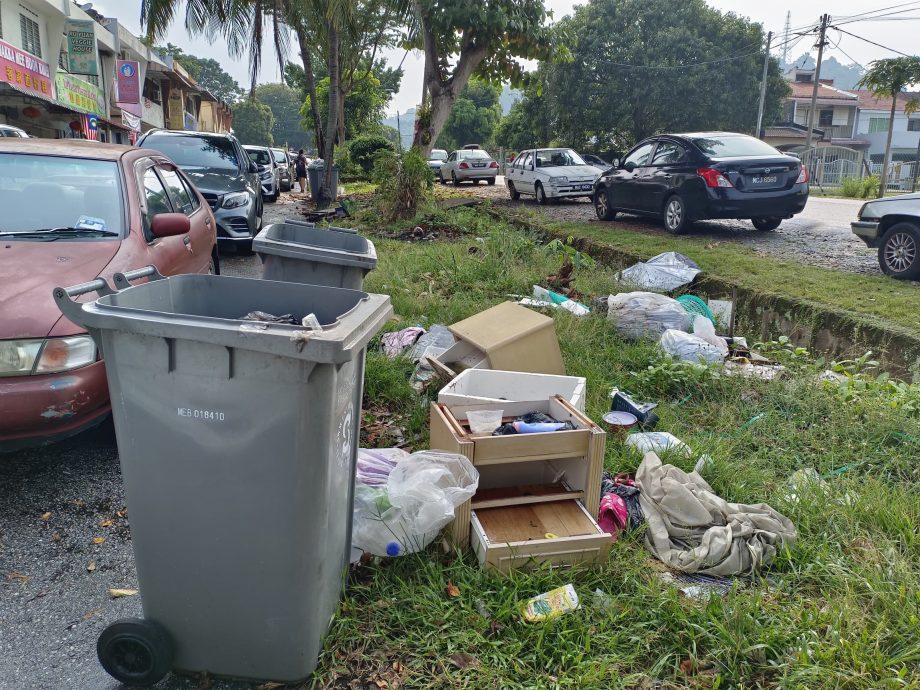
[(766, 179), (479, 165), (585, 187)]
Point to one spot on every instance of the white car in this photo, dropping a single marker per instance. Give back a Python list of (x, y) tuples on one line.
[(550, 174), (11, 131)]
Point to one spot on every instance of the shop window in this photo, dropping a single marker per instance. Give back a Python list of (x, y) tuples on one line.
[(31, 37)]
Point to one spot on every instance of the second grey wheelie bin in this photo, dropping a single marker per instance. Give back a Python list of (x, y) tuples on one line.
[(299, 254), (237, 441)]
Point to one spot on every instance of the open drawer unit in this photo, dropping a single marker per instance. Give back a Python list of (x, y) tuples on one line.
[(524, 469), (556, 532)]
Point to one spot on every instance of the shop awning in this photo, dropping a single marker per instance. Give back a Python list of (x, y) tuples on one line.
[(30, 93)]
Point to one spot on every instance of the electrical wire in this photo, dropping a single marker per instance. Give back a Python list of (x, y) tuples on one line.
[(879, 45), (876, 11), (890, 15)]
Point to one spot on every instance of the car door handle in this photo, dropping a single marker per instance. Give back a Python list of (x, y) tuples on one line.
[(207, 221)]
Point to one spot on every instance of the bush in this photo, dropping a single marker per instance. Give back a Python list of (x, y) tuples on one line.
[(870, 186), (403, 181), (851, 187), (361, 150)]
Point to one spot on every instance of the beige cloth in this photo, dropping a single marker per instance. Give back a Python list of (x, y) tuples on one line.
[(693, 530)]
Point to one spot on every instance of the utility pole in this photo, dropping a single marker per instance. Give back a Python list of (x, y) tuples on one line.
[(763, 85), (814, 91), (786, 32)]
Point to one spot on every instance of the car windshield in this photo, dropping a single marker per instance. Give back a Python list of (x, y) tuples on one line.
[(474, 153), (734, 147), (437, 155), (46, 192), (279, 156), (558, 158), (195, 152), (260, 156)]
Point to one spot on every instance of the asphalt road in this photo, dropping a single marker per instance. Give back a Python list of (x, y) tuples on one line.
[(54, 579), (819, 236)]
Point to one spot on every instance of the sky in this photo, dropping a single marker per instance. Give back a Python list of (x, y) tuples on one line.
[(901, 35)]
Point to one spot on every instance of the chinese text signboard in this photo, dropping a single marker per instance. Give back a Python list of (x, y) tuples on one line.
[(25, 71), (78, 94)]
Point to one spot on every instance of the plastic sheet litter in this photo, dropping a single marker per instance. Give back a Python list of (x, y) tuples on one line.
[(265, 317), (623, 488), (435, 342), (547, 298), (419, 497), (646, 314), (689, 348), (665, 272), (394, 344), (704, 328), (657, 442)]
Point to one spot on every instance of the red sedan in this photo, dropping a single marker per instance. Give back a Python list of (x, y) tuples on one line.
[(71, 211)]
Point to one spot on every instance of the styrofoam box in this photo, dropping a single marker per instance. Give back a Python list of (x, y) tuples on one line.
[(475, 386)]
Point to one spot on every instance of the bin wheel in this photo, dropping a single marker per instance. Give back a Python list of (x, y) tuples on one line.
[(135, 651)]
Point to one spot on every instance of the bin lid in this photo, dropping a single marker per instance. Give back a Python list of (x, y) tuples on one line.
[(210, 309), (297, 241)]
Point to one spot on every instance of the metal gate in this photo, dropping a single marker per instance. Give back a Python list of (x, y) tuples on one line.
[(830, 165)]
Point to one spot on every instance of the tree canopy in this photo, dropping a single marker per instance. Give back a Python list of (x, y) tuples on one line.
[(285, 104), (473, 118), (252, 123)]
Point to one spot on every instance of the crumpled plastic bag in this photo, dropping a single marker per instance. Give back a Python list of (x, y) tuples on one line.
[(657, 442), (665, 272), (689, 347), (419, 498), (705, 329), (646, 314)]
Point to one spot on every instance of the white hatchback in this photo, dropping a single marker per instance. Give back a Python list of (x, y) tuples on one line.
[(550, 174)]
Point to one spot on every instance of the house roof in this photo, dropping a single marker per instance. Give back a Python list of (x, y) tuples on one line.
[(869, 102), (802, 89)]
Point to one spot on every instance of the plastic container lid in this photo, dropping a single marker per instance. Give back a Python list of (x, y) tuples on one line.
[(620, 419)]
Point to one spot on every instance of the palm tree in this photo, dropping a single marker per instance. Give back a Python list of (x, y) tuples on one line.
[(888, 78)]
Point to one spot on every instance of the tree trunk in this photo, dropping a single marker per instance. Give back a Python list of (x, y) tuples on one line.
[(328, 193), (341, 116), (883, 178), (307, 58)]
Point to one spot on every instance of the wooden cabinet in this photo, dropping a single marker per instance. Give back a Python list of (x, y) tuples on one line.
[(537, 493)]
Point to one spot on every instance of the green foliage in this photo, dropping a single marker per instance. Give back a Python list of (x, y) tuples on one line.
[(363, 149), (253, 122), (570, 253), (403, 182), (527, 124), (851, 187), (207, 72), (474, 117), (870, 186), (364, 105), (285, 103)]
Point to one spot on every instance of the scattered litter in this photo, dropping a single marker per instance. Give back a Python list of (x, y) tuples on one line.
[(646, 314), (664, 272), (689, 348), (831, 376), (601, 599), (657, 442), (693, 530), (740, 366), (547, 298), (119, 593), (484, 421), (552, 604), (619, 423), (452, 590), (431, 345), (721, 311), (375, 464), (265, 317), (642, 411), (705, 329), (535, 422), (420, 496), (612, 515), (694, 306), (702, 463), (697, 586), (624, 488), (394, 344)]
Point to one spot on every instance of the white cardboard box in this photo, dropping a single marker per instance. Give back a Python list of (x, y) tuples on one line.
[(475, 386)]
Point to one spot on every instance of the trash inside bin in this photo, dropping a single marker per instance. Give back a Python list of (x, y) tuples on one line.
[(299, 254), (237, 442)]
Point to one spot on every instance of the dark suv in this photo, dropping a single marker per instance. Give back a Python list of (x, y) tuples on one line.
[(223, 173), (686, 177)]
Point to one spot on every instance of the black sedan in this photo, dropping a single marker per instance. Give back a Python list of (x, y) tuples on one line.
[(688, 177)]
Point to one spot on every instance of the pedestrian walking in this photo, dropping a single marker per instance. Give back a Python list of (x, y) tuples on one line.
[(300, 168)]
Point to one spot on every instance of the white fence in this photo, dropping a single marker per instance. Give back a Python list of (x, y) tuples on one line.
[(831, 165)]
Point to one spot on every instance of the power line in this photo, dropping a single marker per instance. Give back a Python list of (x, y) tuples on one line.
[(875, 17), (879, 45), (876, 11)]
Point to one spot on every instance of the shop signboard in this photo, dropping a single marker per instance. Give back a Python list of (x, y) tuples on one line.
[(81, 47), (24, 71), (128, 86), (79, 95)]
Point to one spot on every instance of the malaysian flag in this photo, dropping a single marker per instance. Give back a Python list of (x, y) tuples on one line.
[(91, 127)]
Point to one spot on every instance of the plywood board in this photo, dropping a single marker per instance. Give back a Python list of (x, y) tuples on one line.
[(523, 495), (535, 521)]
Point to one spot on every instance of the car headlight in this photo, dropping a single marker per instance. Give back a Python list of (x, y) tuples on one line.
[(236, 200), (559, 180), (867, 212), (267, 175), (45, 356)]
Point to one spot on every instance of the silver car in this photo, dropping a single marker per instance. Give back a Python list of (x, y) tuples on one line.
[(469, 163), (892, 225), (436, 159), (269, 176), (285, 168)]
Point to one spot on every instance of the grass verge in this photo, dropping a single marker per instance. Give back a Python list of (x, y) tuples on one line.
[(841, 607)]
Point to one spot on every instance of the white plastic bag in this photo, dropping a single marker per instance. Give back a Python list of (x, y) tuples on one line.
[(646, 314), (705, 329), (657, 442), (419, 498), (665, 272), (689, 348)]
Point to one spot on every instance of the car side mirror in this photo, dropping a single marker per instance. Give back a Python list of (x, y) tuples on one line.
[(170, 224), (253, 168), (629, 166)]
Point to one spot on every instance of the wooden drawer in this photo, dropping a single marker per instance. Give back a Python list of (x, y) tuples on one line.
[(516, 536)]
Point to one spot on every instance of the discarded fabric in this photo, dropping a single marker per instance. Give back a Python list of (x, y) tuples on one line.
[(532, 423), (646, 314), (625, 489), (665, 272), (693, 530), (394, 344)]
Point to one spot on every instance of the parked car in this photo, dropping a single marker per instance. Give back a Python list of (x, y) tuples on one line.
[(285, 168), (550, 174), (223, 173), (72, 211), (892, 225), (596, 161), (269, 175), (686, 177), (436, 159), (11, 131), (468, 164)]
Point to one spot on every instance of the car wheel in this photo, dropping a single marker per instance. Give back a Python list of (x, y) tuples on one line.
[(541, 195), (602, 206), (766, 223), (675, 215), (899, 253), (491, 180), (441, 178), (512, 190), (453, 178)]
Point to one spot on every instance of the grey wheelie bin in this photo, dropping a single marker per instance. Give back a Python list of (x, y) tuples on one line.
[(316, 173), (299, 254), (237, 441)]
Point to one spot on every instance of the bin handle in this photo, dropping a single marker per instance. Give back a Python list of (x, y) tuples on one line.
[(123, 280), (63, 296)]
